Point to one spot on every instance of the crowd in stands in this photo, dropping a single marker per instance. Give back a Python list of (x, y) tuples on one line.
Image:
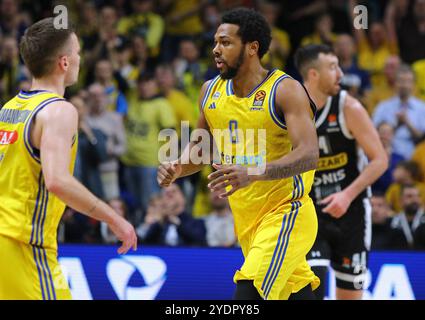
[(143, 63)]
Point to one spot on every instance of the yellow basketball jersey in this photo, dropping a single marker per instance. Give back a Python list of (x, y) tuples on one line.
[(249, 131), (28, 212)]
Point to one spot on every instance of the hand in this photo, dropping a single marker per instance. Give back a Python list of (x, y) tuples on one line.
[(168, 173), (337, 204), (229, 175), (124, 232), (174, 220), (153, 216), (402, 117)]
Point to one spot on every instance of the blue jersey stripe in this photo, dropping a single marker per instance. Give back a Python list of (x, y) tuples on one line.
[(272, 98), (40, 214), (265, 281), (41, 226), (271, 72), (40, 277), (281, 248), (29, 94), (295, 192), (302, 186), (208, 91), (229, 87), (280, 243), (43, 272), (37, 202), (49, 279), (43, 267), (28, 122), (282, 258)]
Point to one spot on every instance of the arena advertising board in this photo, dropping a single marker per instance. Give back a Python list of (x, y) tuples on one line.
[(159, 273)]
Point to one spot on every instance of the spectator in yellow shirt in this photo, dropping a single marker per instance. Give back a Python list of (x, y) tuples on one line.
[(144, 22), (374, 47), (322, 33), (419, 158), (11, 70), (149, 112), (189, 69), (183, 19), (184, 110), (419, 68), (280, 45), (183, 107), (406, 173), (386, 89)]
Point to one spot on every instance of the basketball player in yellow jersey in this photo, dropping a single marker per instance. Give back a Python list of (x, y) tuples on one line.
[(275, 220), (38, 141)]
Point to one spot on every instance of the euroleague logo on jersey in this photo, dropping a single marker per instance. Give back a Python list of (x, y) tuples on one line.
[(259, 98), (8, 137)]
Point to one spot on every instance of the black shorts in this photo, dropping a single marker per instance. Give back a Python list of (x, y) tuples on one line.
[(344, 244)]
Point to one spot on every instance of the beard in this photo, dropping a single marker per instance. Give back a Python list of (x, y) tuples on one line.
[(233, 71), (411, 209)]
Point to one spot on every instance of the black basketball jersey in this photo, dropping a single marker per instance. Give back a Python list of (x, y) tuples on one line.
[(341, 160)]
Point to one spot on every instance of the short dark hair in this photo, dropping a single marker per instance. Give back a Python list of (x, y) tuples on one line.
[(306, 56), (252, 27), (411, 167), (407, 187), (41, 44), (405, 68), (146, 76)]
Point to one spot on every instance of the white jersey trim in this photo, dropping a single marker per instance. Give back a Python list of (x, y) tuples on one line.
[(341, 116), (325, 113)]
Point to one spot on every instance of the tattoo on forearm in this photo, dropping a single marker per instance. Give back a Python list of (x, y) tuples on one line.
[(276, 171)]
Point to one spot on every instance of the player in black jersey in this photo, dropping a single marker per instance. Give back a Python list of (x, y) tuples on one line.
[(351, 159)]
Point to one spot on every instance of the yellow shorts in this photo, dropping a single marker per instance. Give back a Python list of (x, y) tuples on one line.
[(275, 256), (29, 272)]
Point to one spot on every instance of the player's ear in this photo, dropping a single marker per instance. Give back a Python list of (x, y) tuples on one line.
[(253, 48), (312, 73), (64, 62)]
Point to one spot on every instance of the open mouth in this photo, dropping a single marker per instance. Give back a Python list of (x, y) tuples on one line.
[(219, 63)]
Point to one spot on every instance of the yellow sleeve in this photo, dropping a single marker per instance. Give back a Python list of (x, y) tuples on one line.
[(393, 197), (167, 116), (283, 38), (421, 187), (124, 24), (156, 30), (184, 109)]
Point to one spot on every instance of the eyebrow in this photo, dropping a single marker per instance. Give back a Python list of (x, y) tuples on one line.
[(221, 37)]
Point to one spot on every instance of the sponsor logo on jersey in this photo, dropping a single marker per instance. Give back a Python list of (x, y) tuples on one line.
[(330, 178), (332, 120), (346, 262), (259, 98), (8, 137), (333, 162), (244, 160), (216, 95), (212, 106)]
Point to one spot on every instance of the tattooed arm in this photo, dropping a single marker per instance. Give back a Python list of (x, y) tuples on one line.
[(293, 102)]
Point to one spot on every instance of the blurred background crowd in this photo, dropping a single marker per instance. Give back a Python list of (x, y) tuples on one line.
[(143, 63)]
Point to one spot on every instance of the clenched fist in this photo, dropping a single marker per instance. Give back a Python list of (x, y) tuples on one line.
[(168, 173)]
